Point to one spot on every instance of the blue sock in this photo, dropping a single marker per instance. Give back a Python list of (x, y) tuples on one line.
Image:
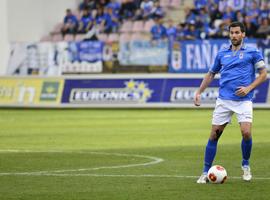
[(246, 147), (210, 153)]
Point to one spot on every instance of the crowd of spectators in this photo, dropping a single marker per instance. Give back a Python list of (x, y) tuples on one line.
[(212, 17), (206, 19), (108, 15)]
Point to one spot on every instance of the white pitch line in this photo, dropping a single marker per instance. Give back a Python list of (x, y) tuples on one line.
[(155, 160), (120, 175), (56, 173)]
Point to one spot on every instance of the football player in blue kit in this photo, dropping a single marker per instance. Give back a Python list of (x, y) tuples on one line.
[(237, 65)]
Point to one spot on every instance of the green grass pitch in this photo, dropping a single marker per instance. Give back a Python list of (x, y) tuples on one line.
[(124, 155)]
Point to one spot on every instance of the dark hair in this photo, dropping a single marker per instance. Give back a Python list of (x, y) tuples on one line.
[(238, 24)]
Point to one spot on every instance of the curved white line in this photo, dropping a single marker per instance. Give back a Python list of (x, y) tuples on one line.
[(56, 173), (155, 160), (119, 175)]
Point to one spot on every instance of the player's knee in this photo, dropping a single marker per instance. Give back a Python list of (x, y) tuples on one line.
[(246, 134), (216, 134)]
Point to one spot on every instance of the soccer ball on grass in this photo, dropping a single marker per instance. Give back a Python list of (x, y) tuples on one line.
[(217, 174)]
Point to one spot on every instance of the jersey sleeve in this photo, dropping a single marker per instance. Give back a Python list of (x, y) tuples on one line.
[(217, 65), (258, 60)]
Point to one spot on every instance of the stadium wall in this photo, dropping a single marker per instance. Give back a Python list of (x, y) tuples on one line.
[(4, 44), (34, 18), (28, 20), (114, 91)]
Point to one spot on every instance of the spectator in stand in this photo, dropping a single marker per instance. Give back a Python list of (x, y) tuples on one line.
[(70, 23), (115, 6), (207, 31), (236, 4), (192, 33), (214, 13), (222, 31), (251, 28), (147, 9), (253, 13), (203, 17), (85, 22), (264, 12), (248, 4), (158, 31), (158, 11), (87, 5), (100, 19), (228, 16), (138, 3), (264, 29), (111, 21), (102, 3), (171, 30), (222, 5), (92, 33), (200, 4), (128, 9), (189, 15), (239, 16), (180, 31)]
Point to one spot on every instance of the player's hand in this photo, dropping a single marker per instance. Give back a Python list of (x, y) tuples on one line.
[(197, 99), (242, 91)]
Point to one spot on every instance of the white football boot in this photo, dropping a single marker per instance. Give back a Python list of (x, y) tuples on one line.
[(246, 173), (203, 179)]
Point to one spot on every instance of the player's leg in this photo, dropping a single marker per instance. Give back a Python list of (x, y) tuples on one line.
[(221, 117), (246, 147), (246, 144), (244, 117), (211, 147), (210, 150)]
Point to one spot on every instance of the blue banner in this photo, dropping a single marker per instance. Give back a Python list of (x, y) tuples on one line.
[(264, 46), (183, 90), (144, 53), (88, 51), (145, 90), (112, 91), (197, 56)]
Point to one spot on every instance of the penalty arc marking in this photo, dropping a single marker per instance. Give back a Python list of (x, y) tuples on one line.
[(153, 161), (122, 175), (61, 173)]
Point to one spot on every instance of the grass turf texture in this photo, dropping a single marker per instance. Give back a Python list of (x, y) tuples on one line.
[(66, 139)]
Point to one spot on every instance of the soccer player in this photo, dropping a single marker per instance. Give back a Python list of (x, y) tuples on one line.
[(237, 65)]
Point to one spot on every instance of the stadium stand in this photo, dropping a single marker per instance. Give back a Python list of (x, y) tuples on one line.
[(113, 37), (126, 26), (210, 18), (116, 21), (46, 38), (103, 37), (148, 25), (69, 38), (57, 38), (138, 26), (79, 37), (125, 37)]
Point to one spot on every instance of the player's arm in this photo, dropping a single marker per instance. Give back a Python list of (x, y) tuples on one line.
[(243, 91), (205, 83)]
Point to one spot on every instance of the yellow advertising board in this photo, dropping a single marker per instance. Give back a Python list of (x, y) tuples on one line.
[(30, 91)]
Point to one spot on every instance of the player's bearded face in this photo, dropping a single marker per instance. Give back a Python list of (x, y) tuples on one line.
[(236, 36)]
